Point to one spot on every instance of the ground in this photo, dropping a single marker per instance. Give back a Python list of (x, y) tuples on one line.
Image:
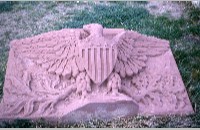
[(177, 22)]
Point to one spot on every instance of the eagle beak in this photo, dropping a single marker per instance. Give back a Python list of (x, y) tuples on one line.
[(117, 37), (87, 28)]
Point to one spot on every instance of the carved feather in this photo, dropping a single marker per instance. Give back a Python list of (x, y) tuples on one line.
[(134, 50), (55, 53)]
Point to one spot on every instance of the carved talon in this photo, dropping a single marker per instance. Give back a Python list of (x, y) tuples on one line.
[(83, 84), (114, 84), (52, 107)]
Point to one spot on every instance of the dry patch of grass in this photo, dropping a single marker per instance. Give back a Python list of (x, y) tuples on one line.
[(169, 9)]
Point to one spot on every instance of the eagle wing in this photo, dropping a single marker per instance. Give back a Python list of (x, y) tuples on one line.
[(134, 50), (55, 51)]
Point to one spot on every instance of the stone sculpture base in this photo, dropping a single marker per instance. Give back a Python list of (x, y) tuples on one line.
[(30, 92)]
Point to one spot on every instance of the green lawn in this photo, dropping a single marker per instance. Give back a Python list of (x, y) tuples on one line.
[(23, 19)]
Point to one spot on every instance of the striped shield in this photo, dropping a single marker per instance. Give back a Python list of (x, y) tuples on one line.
[(98, 62)]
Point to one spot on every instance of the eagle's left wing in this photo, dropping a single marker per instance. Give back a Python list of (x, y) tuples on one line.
[(56, 52)]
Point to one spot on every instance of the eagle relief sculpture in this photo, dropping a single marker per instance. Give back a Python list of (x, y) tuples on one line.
[(78, 74)]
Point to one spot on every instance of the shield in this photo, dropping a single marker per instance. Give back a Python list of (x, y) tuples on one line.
[(98, 62)]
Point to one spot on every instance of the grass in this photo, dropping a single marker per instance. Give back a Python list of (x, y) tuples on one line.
[(183, 34), (135, 18)]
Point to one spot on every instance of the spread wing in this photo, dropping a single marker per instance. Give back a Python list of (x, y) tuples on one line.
[(55, 51), (134, 50)]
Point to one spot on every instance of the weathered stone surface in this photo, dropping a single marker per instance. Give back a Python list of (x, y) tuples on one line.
[(68, 71), (102, 111)]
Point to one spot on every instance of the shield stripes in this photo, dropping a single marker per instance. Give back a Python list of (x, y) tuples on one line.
[(98, 62)]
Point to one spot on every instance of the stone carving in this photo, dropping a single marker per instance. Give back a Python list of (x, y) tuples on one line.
[(52, 74)]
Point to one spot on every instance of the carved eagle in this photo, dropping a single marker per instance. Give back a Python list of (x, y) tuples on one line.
[(72, 51)]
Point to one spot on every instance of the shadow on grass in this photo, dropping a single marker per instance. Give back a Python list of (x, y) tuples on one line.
[(6, 6)]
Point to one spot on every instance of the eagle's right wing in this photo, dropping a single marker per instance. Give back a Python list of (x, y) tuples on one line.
[(55, 51)]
